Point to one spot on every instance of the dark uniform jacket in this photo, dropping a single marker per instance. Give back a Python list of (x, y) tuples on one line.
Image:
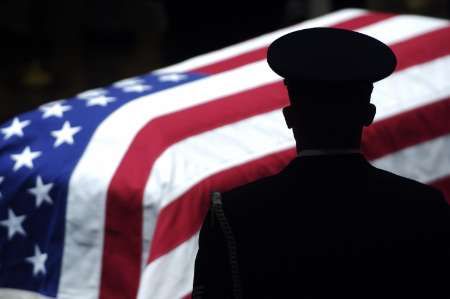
[(326, 227)]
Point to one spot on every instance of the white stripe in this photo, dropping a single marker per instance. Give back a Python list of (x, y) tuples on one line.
[(413, 87), (150, 216), (177, 273), (84, 226), (20, 294), (403, 27), (261, 41), (424, 162), (191, 160)]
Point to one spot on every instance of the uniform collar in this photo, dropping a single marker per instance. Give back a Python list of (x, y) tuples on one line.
[(328, 152)]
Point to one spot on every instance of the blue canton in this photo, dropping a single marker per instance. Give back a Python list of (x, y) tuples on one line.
[(38, 152)]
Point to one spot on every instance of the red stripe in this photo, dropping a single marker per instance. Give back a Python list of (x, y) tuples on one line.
[(122, 244), (406, 129), (363, 21), (183, 217), (443, 184), (260, 53), (426, 47)]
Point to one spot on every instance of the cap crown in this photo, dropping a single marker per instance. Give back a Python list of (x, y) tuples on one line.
[(330, 54)]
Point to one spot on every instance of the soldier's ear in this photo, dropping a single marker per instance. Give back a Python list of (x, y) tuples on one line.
[(370, 115), (289, 116)]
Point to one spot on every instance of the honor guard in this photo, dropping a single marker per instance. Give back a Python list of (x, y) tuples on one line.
[(329, 225)]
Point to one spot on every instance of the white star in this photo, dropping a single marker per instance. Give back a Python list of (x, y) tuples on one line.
[(99, 101), (136, 88), (97, 92), (14, 224), (171, 77), (40, 191), (56, 109), (25, 158), (65, 134), (15, 128), (128, 82), (38, 261)]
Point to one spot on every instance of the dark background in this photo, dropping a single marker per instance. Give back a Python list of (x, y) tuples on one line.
[(53, 49)]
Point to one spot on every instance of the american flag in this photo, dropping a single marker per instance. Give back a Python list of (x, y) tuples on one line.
[(102, 195)]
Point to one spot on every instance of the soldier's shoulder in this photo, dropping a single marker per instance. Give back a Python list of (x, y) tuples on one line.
[(252, 194), (258, 187), (387, 180)]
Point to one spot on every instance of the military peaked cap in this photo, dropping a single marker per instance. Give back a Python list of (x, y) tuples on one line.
[(330, 54)]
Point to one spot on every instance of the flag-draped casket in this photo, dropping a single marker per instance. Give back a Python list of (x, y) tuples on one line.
[(103, 194)]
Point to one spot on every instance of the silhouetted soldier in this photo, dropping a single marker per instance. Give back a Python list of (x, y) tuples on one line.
[(329, 225)]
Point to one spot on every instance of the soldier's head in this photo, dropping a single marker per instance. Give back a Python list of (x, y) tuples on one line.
[(329, 75), (329, 114)]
